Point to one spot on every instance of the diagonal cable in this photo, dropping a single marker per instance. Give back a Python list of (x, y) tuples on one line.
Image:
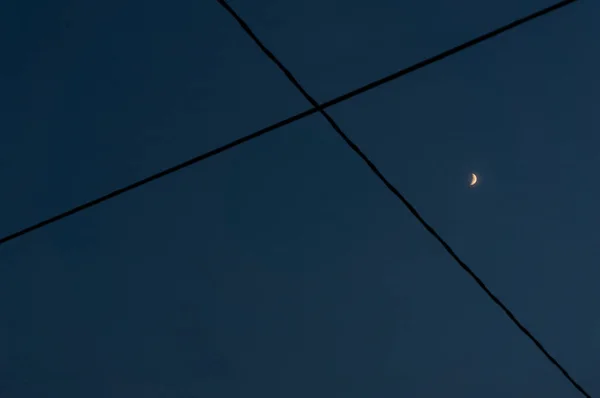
[(395, 191), (282, 123)]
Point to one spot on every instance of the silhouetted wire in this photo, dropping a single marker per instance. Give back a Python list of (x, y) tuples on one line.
[(281, 123), (395, 191)]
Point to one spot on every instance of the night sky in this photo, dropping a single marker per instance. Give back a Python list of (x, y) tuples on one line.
[(283, 267)]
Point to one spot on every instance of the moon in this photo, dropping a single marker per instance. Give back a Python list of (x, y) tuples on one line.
[(473, 180)]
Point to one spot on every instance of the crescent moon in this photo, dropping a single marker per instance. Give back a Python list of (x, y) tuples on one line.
[(473, 180)]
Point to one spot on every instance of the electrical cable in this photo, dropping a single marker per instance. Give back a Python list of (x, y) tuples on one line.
[(282, 123), (401, 197)]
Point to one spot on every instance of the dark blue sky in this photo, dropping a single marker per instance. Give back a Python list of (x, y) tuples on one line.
[(284, 268)]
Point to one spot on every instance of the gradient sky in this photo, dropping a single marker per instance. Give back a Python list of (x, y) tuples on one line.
[(284, 268)]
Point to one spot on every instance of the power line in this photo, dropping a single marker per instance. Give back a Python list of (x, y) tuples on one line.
[(395, 191), (281, 123)]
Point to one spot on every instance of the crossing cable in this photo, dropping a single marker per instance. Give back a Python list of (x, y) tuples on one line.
[(282, 123), (395, 191)]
